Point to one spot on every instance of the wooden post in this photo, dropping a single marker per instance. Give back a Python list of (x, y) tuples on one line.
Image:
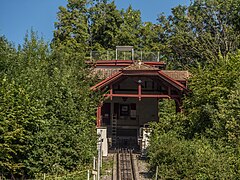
[(111, 91), (178, 104), (139, 91), (99, 109), (169, 91)]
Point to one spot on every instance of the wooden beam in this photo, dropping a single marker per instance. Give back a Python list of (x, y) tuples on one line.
[(155, 96), (139, 91), (137, 95), (99, 112), (111, 91)]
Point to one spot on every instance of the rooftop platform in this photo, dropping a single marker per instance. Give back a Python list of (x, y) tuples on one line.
[(107, 63), (144, 56)]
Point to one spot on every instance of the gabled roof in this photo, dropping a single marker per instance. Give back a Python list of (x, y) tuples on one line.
[(107, 81), (172, 81), (104, 73), (177, 75), (105, 69), (139, 68)]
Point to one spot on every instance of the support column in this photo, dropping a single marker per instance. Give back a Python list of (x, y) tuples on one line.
[(178, 103), (99, 111), (169, 91), (139, 92), (111, 91)]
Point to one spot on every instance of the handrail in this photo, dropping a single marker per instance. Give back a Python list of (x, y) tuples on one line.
[(138, 55)]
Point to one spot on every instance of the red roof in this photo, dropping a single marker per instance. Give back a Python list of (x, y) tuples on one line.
[(139, 69), (177, 75), (104, 72)]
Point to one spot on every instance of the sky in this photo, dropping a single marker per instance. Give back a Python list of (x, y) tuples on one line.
[(19, 16)]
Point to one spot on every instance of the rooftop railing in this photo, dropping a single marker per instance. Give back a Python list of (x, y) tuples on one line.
[(114, 55)]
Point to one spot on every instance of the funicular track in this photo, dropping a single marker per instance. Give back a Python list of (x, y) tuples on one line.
[(125, 165)]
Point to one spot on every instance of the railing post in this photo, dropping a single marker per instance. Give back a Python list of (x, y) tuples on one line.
[(94, 167), (88, 175), (132, 54), (158, 56), (156, 175), (99, 156)]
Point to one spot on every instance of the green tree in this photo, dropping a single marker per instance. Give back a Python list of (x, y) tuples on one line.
[(129, 32), (199, 32), (47, 113), (96, 25), (227, 122), (209, 86), (201, 157), (7, 55), (184, 145), (19, 111), (71, 35), (105, 22)]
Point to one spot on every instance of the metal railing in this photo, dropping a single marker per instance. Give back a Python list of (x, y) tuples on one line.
[(138, 55)]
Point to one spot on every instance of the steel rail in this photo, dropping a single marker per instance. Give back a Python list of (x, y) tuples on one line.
[(125, 169)]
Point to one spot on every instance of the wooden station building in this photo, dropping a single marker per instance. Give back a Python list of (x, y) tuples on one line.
[(132, 90)]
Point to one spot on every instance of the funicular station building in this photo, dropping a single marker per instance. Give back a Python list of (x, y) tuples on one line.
[(132, 89)]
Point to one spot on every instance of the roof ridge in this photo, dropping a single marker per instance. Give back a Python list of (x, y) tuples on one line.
[(140, 66)]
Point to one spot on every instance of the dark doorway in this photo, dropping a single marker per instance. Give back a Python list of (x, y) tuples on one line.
[(106, 114)]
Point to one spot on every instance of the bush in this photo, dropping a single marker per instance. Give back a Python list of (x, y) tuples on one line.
[(193, 159), (47, 114)]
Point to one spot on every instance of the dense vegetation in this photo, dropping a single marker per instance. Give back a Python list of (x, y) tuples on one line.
[(204, 141), (47, 113)]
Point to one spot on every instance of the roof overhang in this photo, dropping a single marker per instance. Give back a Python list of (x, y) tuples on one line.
[(126, 72)]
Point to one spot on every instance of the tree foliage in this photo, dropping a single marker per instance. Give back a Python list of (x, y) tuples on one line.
[(204, 141), (96, 25), (47, 113), (199, 32), (71, 34)]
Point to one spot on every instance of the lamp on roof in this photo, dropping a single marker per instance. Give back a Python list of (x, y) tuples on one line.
[(139, 62)]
